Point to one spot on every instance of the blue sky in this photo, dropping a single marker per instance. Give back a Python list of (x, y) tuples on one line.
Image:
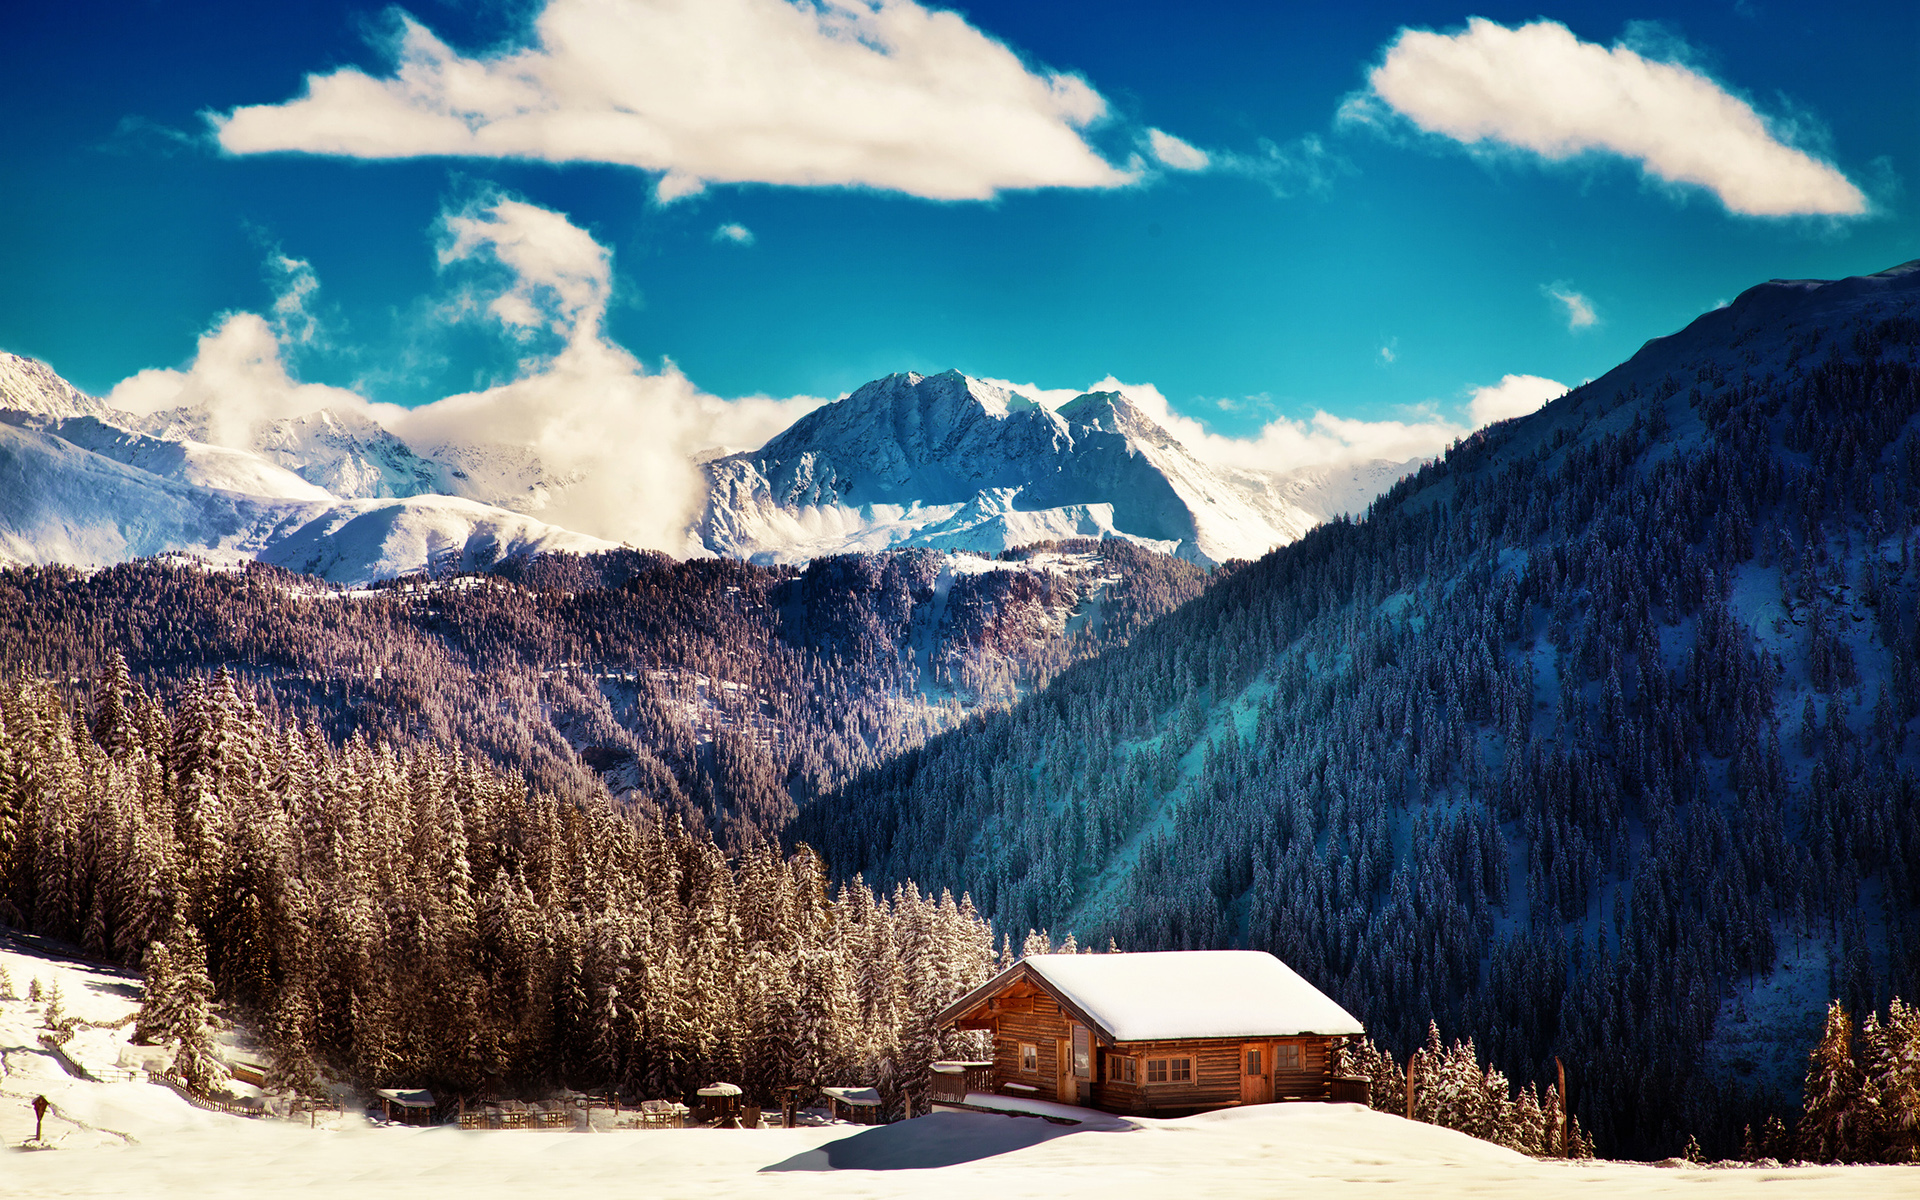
[(1392, 206)]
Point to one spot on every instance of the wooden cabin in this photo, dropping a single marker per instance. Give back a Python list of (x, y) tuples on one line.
[(1163, 1034)]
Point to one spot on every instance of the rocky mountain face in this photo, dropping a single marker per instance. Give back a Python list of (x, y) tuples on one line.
[(32, 388), (83, 485), (952, 462), (1602, 732)]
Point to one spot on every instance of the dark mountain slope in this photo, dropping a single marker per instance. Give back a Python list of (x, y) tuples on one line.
[(1596, 739), (710, 689)]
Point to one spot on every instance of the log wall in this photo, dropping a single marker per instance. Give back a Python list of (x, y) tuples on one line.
[(1043, 1026), (1217, 1067)]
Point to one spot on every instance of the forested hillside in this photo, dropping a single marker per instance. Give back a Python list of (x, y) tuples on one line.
[(1594, 739), (708, 690), (408, 917)]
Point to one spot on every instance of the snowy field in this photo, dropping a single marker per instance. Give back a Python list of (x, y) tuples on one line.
[(123, 1137)]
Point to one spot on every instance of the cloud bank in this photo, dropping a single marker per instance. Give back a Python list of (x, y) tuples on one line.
[(1323, 439), (613, 445), (861, 93), (1540, 89), (1513, 396)]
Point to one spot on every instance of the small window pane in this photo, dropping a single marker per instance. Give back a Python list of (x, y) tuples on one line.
[(1286, 1057), (1082, 1053), (1029, 1058), (1253, 1062), (1156, 1070), (1182, 1070)]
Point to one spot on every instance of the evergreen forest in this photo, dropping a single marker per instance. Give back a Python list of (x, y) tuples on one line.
[(408, 917)]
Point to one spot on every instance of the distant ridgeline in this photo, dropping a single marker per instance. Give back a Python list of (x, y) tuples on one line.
[(406, 917), (709, 690), (1595, 739)]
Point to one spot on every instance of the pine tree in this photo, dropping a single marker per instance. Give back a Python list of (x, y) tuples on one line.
[(1832, 1091), (154, 1024), (1891, 1081), (292, 1069)]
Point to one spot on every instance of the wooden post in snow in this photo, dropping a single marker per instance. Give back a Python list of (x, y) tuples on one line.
[(1410, 1062)]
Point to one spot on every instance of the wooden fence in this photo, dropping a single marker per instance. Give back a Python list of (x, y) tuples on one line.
[(180, 1088), (949, 1082)]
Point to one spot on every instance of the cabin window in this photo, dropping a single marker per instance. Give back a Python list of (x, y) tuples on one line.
[(1029, 1058), (1286, 1057), (1082, 1053), (1253, 1062), (1170, 1070), (1122, 1070), (1156, 1070)]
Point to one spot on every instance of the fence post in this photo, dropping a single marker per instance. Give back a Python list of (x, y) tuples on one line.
[(1410, 1062)]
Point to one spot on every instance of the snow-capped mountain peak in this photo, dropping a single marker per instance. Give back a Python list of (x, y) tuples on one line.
[(952, 461), (30, 386)]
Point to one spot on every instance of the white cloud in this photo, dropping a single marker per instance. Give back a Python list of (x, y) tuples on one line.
[(1580, 314), (295, 285), (1287, 444), (870, 93), (622, 439), (562, 278), (238, 377), (1302, 165), (1390, 351), (1282, 445), (1539, 88), (1176, 154), (734, 232), (1513, 396)]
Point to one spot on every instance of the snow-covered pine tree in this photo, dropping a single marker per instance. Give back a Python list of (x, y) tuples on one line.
[(54, 1010), (1890, 1068), (1832, 1091), (154, 1022), (177, 1007), (291, 1068)]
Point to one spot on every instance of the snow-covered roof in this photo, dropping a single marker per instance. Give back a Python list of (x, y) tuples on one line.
[(859, 1096), (1190, 994), (407, 1097)]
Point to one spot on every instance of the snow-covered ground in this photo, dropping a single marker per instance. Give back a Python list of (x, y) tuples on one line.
[(129, 1138), (1292, 1149)]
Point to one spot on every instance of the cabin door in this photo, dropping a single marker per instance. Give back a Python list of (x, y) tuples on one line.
[(1256, 1073), (1065, 1090)]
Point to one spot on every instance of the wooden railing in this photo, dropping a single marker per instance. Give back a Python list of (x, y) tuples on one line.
[(180, 1088), (949, 1082)]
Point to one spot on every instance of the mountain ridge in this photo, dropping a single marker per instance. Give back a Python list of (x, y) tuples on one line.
[(910, 459), (945, 462)]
